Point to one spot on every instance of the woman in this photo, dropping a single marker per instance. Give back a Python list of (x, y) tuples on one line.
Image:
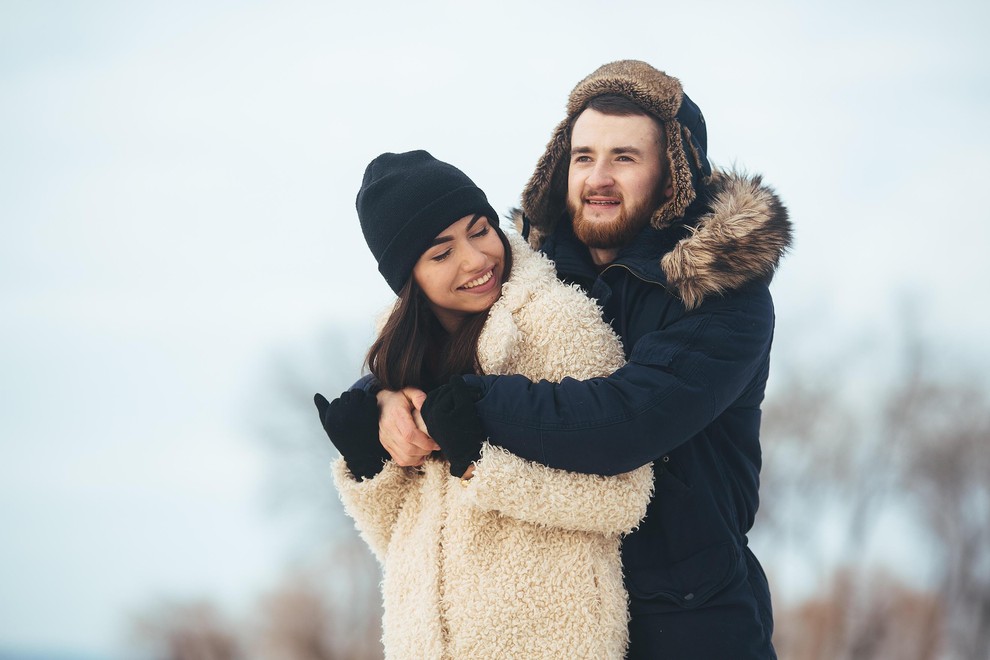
[(484, 555)]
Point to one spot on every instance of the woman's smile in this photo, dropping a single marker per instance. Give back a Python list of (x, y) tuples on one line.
[(478, 285)]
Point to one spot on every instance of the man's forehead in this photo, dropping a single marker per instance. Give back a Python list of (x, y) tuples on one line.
[(597, 129)]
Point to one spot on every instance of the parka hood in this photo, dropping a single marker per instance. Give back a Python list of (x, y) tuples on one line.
[(543, 199), (736, 232)]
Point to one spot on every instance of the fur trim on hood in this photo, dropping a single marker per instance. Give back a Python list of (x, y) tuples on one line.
[(740, 239), (543, 199)]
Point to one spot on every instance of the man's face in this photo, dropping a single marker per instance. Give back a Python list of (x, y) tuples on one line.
[(616, 177)]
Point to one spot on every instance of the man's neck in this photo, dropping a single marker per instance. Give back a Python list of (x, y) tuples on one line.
[(602, 257)]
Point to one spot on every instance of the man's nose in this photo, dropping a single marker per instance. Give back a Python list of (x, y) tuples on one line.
[(600, 176)]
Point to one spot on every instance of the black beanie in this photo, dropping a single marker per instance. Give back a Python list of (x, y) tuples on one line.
[(405, 201)]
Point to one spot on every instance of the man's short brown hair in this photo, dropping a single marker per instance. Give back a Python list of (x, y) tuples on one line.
[(618, 105)]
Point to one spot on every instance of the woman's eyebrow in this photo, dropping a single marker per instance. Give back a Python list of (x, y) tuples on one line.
[(447, 238), (474, 220)]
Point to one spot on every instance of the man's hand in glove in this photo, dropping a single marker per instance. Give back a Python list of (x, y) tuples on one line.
[(453, 422)]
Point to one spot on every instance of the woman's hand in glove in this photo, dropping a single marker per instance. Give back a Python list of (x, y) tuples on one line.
[(453, 422), (351, 422)]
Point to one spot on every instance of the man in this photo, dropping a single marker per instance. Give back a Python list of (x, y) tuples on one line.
[(680, 258)]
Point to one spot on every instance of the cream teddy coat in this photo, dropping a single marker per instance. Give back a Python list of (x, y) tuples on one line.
[(522, 561)]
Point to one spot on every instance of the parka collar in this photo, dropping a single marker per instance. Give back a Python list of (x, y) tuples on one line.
[(735, 234), (574, 262)]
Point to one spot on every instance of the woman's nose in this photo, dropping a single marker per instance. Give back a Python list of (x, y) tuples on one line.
[(474, 259)]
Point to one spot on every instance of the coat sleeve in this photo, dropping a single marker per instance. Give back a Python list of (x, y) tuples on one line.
[(374, 503), (368, 383), (537, 494), (677, 381)]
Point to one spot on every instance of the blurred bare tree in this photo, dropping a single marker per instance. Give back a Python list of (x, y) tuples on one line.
[(283, 417), (897, 623), (846, 445), (943, 429), (917, 446), (185, 631), (327, 606), (312, 618), (809, 438)]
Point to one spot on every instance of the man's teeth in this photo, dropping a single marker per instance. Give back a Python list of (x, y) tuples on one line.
[(481, 280)]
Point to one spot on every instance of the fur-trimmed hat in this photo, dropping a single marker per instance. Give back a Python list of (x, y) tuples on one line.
[(405, 201), (544, 198)]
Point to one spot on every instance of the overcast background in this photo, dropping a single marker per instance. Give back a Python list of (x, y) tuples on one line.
[(176, 203)]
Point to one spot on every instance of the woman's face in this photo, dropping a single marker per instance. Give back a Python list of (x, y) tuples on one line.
[(461, 272)]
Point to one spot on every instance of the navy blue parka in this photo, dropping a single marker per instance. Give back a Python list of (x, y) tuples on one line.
[(690, 299), (689, 401)]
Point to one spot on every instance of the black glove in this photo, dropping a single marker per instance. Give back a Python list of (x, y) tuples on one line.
[(351, 421), (454, 423)]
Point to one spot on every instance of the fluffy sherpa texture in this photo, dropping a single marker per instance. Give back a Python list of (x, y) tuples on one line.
[(523, 561), (542, 329), (543, 199)]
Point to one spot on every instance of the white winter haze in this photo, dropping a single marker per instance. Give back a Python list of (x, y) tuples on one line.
[(177, 186)]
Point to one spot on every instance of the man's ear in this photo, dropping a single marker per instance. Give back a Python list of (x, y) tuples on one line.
[(667, 186)]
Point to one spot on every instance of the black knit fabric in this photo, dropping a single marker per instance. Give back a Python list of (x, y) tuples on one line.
[(405, 201)]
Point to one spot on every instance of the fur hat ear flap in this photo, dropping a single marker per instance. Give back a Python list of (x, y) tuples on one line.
[(681, 179), (547, 184)]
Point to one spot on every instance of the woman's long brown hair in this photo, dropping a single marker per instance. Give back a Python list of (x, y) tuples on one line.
[(414, 350)]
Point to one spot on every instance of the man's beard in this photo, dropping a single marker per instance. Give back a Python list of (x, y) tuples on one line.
[(611, 234)]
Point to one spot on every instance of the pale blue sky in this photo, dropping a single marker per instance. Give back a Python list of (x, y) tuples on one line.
[(176, 199)]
